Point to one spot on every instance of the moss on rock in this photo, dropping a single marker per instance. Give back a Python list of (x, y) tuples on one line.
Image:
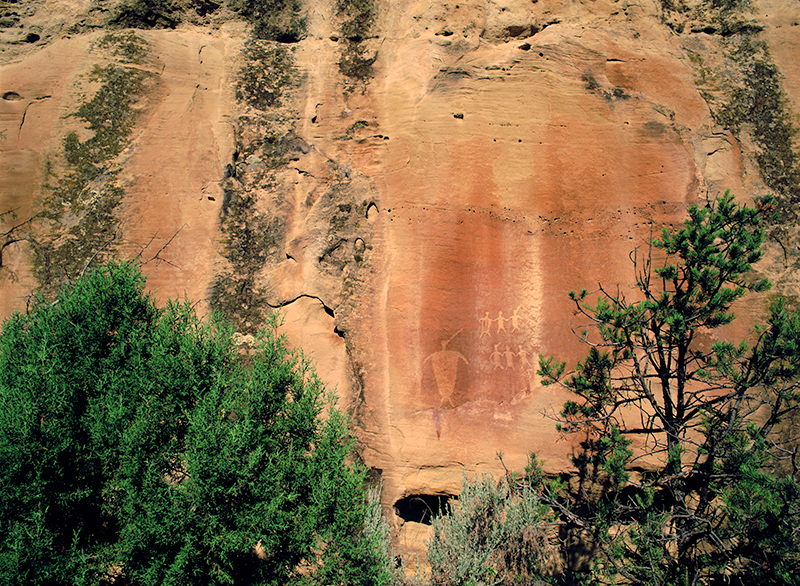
[(78, 221), (273, 20), (269, 70)]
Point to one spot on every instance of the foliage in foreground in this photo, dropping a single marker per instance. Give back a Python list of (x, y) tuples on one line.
[(494, 534), (689, 471), (138, 445)]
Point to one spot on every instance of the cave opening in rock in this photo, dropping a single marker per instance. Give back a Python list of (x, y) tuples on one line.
[(422, 508), (289, 37)]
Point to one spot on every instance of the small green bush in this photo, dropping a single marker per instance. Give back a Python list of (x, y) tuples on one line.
[(127, 46), (273, 20), (147, 14), (730, 5), (159, 14), (268, 71), (493, 534), (355, 63), (358, 19)]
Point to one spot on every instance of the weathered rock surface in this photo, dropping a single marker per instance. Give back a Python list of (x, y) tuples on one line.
[(428, 219)]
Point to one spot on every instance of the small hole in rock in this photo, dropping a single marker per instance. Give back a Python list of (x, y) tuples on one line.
[(32, 38), (12, 96)]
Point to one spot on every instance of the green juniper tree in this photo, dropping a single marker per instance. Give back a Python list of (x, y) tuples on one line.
[(689, 473), (138, 445)]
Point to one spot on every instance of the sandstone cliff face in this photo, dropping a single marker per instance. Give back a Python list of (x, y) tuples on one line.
[(419, 220)]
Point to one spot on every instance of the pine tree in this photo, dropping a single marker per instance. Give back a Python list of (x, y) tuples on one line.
[(710, 491)]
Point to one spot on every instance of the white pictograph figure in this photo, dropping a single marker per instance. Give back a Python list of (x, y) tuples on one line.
[(445, 370), (522, 394), (515, 319), (509, 354), (501, 322), (496, 358), (486, 324), (523, 358)]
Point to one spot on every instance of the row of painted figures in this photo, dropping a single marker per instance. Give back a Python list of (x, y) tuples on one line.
[(506, 359), (501, 320)]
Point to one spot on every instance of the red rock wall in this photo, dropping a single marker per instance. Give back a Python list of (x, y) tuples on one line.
[(495, 169)]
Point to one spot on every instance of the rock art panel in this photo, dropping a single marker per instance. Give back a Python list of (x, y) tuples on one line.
[(479, 320), (511, 176)]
